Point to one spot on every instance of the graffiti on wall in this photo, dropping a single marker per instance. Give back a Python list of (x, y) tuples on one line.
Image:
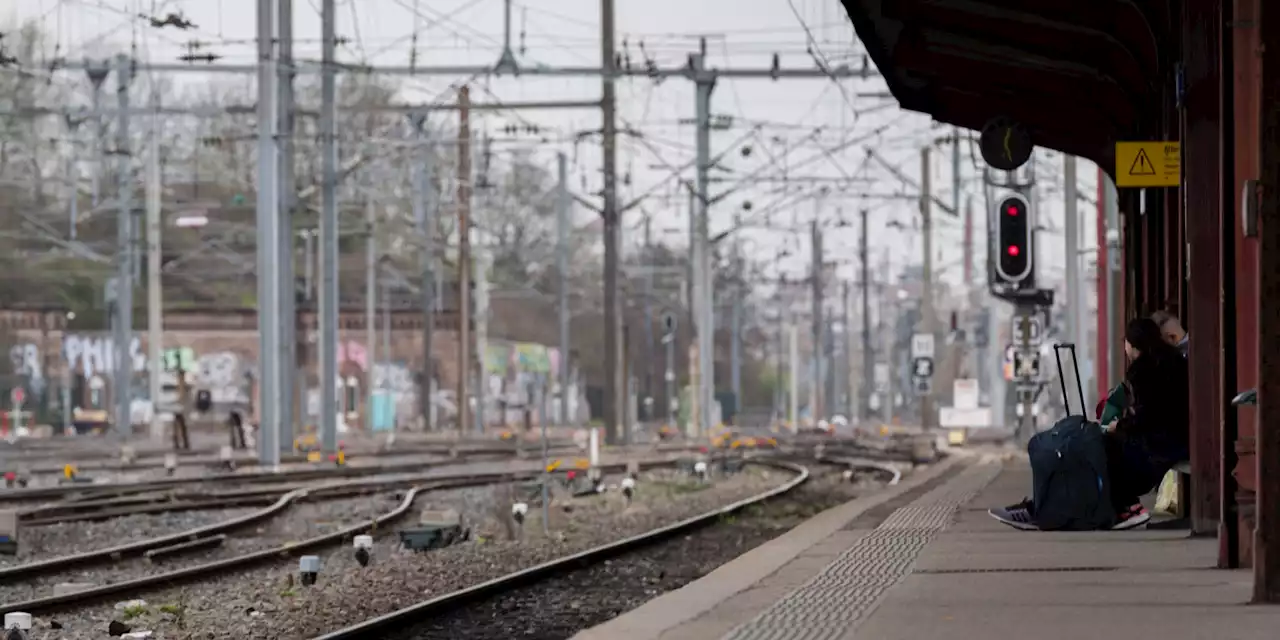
[(355, 353), (25, 362), (225, 375), (93, 355), (396, 380)]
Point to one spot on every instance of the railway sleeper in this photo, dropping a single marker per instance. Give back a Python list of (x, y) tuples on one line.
[(156, 555)]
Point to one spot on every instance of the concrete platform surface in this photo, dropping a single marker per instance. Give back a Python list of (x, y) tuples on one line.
[(939, 567)]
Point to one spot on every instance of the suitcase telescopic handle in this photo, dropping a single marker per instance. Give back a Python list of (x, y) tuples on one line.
[(1062, 380)]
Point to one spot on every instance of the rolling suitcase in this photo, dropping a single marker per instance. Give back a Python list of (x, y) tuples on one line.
[(1069, 467)]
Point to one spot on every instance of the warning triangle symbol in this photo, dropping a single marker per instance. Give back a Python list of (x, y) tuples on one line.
[(1142, 165)]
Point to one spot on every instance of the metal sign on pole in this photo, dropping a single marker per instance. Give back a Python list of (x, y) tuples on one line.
[(922, 368), (922, 345), (1027, 329), (1026, 366), (881, 376), (964, 393)]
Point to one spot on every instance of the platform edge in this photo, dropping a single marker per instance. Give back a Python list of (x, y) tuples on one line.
[(675, 608)]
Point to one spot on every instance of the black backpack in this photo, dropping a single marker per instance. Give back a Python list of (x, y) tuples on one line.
[(1072, 491)]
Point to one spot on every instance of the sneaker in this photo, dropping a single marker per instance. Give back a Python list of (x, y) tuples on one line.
[(1017, 515), (1133, 517)]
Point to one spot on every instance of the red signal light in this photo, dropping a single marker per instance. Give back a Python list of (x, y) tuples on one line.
[(1012, 210), (1013, 250)]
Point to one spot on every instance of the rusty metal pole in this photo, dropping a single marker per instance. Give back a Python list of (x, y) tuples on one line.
[(1201, 149), (464, 256)]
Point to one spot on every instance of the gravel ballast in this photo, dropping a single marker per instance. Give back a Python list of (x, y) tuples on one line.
[(270, 603), (299, 521), (562, 606), (50, 541)]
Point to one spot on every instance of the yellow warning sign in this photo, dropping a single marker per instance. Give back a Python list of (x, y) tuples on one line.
[(1148, 164)]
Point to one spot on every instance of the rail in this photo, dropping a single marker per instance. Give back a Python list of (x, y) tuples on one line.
[(221, 566), (380, 626)]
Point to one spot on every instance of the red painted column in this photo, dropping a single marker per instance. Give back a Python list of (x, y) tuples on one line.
[(1104, 264), (1246, 110), (1200, 168), (1229, 514), (1266, 537)]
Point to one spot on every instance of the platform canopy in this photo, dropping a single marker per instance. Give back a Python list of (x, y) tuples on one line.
[(1078, 74)]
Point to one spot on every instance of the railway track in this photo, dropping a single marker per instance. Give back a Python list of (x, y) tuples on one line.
[(86, 464), (402, 620), (194, 539), (94, 492), (170, 502)]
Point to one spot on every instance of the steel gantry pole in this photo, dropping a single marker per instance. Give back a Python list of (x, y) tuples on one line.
[(328, 231), (615, 381), (291, 398), (816, 411), (563, 203), (123, 288), (867, 386), (465, 177), (424, 214), (370, 308), (155, 314), (704, 84), (268, 223), (926, 293), (735, 324)]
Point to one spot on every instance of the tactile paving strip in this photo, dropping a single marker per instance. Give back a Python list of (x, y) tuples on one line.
[(833, 602)]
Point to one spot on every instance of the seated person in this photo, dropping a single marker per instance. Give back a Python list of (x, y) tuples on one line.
[(1171, 329), (1151, 435), (1111, 407)]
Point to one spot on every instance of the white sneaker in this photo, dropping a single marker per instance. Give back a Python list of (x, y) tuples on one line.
[(1132, 518), (1017, 516)]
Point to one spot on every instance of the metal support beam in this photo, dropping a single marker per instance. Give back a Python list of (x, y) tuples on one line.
[(268, 223), (213, 111), (155, 309), (1201, 193), (817, 322), (464, 258), (868, 353), (615, 376), (927, 324), (704, 85), (478, 71), (1229, 530), (122, 386), (292, 394), (370, 308), (563, 204), (1266, 551), (424, 212), (328, 232)]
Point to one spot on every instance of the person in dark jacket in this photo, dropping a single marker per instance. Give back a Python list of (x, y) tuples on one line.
[(1153, 434)]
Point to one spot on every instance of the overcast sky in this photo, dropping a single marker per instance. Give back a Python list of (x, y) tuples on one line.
[(791, 126)]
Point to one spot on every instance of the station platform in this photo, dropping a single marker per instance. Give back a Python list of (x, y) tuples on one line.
[(923, 560)]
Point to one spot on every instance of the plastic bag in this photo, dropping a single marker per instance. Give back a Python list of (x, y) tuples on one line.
[(1168, 494)]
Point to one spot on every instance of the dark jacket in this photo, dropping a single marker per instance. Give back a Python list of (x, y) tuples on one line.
[(1157, 416)]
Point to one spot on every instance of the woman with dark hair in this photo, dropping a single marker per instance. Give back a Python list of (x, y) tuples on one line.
[(1153, 434)]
